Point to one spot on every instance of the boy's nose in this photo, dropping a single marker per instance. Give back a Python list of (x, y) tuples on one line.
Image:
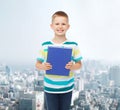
[(60, 26)]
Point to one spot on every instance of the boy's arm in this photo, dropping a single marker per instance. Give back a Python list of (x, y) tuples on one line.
[(43, 66), (73, 66)]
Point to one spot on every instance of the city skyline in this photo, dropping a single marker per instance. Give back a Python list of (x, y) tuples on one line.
[(25, 24), (94, 88)]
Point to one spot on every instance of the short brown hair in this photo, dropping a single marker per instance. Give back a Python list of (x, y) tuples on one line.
[(60, 13)]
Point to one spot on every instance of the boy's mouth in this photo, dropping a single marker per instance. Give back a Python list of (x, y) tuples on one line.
[(60, 31)]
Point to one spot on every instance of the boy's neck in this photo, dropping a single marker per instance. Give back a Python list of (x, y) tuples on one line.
[(59, 39)]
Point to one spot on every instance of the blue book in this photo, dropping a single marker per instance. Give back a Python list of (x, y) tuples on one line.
[(58, 57)]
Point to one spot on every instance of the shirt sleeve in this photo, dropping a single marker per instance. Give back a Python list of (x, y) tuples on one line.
[(41, 55), (77, 54)]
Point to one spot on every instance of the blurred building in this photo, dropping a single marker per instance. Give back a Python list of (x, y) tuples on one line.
[(38, 81), (26, 101), (114, 75), (31, 100), (79, 84)]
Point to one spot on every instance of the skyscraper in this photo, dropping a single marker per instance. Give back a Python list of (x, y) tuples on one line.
[(114, 75)]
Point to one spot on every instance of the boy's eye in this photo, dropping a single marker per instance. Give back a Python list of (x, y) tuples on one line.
[(59, 24), (56, 23)]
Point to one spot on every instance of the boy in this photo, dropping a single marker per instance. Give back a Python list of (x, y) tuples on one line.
[(58, 89)]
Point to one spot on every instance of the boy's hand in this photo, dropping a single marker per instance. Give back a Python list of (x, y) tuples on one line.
[(46, 66), (69, 65), (43, 66)]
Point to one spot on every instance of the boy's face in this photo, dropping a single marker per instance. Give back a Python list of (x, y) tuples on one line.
[(60, 25)]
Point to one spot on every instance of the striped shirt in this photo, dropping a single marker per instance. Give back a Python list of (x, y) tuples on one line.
[(57, 83)]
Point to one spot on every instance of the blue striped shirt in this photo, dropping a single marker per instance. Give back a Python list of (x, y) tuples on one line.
[(56, 83)]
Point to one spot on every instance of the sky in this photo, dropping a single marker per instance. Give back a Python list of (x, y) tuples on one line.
[(25, 24)]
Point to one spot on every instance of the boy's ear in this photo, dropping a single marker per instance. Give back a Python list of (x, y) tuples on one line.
[(68, 26), (51, 26)]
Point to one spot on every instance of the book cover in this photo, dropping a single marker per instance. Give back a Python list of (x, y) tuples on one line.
[(58, 57)]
